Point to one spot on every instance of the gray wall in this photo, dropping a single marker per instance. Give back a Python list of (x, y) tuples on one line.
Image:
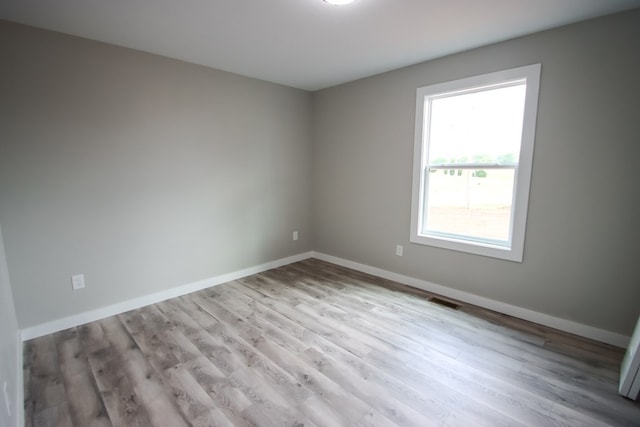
[(9, 342), (146, 173), (581, 251), (141, 172)]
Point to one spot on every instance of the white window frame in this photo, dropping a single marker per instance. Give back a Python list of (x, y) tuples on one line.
[(514, 250)]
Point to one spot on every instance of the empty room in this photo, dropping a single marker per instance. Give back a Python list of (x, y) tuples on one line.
[(319, 213)]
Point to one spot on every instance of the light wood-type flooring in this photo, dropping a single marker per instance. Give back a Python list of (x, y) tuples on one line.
[(314, 344)]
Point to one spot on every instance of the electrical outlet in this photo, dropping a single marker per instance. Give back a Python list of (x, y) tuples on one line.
[(6, 398), (77, 281), (399, 250), (295, 235)]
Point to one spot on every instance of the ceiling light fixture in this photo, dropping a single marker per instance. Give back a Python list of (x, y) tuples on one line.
[(338, 2)]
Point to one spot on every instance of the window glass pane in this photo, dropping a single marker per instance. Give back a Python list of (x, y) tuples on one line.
[(470, 203), (478, 127)]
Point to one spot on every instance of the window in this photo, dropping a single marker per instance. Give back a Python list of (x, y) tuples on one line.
[(472, 162)]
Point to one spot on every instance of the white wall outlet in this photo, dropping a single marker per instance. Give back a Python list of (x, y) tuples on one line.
[(399, 250), (6, 398), (77, 281), (295, 235)]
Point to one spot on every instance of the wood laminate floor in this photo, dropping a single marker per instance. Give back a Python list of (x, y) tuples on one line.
[(314, 344)]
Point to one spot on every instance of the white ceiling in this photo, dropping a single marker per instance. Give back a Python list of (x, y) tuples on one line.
[(306, 44)]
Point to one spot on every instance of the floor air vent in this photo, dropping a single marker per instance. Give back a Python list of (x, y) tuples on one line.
[(444, 303)]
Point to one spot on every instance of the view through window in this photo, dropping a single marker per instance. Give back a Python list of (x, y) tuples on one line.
[(473, 151)]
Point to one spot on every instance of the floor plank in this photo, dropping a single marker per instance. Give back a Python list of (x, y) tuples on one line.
[(315, 344)]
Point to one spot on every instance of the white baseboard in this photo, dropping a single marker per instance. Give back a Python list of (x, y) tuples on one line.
[(582, 330), (586, 331), (111, 310)]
